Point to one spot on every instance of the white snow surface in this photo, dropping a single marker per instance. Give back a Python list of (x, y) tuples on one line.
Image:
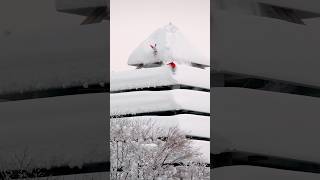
[(267, 47), (78, 4), (270, 123), (68, 130), (52, 50), (251, 6), (171, 45), (92, 176), (261, 173), (46, 74), (193, 125), (155, 101), (307, 5), (160, 76)]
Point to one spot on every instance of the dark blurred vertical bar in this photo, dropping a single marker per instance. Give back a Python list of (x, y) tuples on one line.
[(264, 56), (54, 83), (212, 83), (108, 102)]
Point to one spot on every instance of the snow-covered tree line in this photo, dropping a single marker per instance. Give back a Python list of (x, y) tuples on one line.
[(142, 150)]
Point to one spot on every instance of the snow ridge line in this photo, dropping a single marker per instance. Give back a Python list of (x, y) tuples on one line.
[(56, 171), (266, 84), (163, 88), (162, 113), (55, 92), (197, 138)]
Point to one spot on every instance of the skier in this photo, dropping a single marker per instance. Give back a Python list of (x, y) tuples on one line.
[(173, 66), (154, 47)]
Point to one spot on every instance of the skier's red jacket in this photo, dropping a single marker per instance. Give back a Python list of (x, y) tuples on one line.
[(172, 65)]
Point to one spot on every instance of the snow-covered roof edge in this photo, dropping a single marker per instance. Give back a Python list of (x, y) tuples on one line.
[(160, 76)]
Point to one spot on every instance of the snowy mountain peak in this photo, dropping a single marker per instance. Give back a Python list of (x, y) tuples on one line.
[(166, 44), (171, 28)]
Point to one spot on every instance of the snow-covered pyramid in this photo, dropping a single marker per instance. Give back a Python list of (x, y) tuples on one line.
[(165, 45), (171, 86)]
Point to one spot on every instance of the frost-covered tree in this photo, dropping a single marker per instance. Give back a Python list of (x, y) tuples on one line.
[(142, 150)]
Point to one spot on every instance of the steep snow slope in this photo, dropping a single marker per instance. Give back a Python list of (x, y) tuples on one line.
[(160, 76), (170, 45), (266, 47)]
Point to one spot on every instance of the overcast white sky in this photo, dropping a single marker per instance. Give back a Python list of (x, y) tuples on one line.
[(132, 21)]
